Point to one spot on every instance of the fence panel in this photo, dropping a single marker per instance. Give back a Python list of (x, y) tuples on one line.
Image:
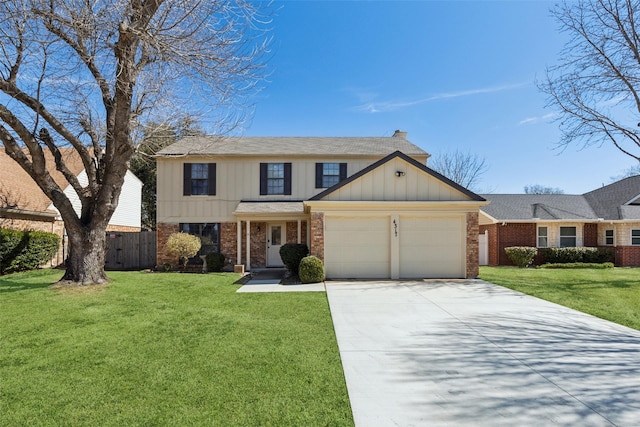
[(130, 250)]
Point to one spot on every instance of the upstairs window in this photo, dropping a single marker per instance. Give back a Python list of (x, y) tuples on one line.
[(329, 174), (635, 237), (543, 237), (608, 237), (568, 237), (275, 178), (199, 179)]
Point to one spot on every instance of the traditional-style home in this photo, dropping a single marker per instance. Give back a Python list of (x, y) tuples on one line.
[(369, 207), (606, 217), (23, 206)]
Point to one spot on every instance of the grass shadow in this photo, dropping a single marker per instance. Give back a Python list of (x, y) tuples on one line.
[(32, 280)]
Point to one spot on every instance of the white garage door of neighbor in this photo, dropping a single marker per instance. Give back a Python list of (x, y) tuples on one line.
[(357, 247), (432, 247)]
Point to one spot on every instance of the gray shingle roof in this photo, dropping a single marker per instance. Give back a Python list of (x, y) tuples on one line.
[(505, 207), (291, 146), (608, 201)]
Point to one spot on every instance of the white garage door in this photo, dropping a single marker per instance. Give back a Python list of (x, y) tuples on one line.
[(432, 247), (357, 247)]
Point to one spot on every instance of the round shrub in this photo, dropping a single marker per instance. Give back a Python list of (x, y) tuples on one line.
[(311, 270), (26, 250), (522, 256), (215, 261), (292, 254), (184, 246)]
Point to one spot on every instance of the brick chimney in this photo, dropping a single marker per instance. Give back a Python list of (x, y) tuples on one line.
[(400, 134)]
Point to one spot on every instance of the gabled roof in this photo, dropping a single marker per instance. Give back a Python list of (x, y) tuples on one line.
[(617, 200), (413, 162), (291, 146), (21, 191), (517, 207)]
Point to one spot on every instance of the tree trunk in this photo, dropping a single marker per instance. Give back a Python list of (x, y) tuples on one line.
[(85, 262)]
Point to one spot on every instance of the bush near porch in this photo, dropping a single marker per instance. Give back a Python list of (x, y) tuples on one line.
[(611, 293), (166, 349)]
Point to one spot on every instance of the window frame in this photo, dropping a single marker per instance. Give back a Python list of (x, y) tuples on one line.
[(207, 185), (545, 236), (214, 241), (637, 236), (607, 237), (574, 236), (321, 174), (265, 189)]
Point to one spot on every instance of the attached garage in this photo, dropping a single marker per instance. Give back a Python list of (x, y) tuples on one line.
[(396, 219)]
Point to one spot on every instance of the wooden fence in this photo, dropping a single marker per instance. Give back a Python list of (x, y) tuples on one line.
[(130, 251)]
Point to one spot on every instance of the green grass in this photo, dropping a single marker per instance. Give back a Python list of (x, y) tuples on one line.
[(612, 294), (166, 349)]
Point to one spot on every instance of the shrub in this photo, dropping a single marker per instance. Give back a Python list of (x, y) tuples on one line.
[(26, 250), (292, 254), (184, 246), (311, 270), (215, 261), (522, 256), (571, 265), (579, 255)]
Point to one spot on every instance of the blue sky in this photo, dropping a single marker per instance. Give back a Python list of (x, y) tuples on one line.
[(454, 75)]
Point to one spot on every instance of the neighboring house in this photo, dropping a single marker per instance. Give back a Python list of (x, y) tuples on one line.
[(606, 217), (369, 207), (23, 206)]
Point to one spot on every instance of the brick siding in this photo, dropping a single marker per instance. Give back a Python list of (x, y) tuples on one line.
[(627, 256), (228, 242), (473, 230), (292, 232), (163, 231), (317, 235)]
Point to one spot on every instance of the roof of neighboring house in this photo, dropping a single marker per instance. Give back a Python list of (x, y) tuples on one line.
[(291, 146), (516, 207), (617, 200), (19, 191)]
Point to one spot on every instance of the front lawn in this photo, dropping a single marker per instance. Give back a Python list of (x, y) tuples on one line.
[(166, 349), (612, 294)]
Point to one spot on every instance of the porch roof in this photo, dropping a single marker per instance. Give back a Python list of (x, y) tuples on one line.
[(273, 209)]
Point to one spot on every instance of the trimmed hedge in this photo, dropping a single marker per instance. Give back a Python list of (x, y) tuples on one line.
[(311, 270), (522, 256), (577, 255), (292, 254), (25, 250), (571, 265)]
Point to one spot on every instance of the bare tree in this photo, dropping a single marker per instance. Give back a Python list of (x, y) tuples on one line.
[(542, 189), (85, 74), (596, 85), (462, 168)]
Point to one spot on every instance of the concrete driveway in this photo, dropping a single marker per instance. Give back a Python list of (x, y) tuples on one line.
[(435, 353)]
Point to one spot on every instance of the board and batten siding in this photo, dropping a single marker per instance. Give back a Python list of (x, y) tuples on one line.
[(128, 212), (383, 184), (237, 179)]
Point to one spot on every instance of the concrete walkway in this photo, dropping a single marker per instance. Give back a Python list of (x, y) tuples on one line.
[(456, 353)]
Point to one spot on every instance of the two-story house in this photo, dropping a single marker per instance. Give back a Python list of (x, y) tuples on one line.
[(369, 207)]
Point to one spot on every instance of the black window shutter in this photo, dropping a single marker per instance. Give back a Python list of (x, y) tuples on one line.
[(211, 179), (263, 179), (343, 171), (186, 186), (319, 171), (287, 179)]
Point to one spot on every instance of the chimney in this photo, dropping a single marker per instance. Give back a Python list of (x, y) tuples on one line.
[(400, 134)]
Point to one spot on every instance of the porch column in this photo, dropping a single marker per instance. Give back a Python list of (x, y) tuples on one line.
[(239, 242), (308, 234), (248, 258), (299, 231)]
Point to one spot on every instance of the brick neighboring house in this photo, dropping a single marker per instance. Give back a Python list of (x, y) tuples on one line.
[(607, 217), (23, 206), (369, 207)]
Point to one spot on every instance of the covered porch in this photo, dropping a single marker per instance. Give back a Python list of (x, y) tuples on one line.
[(264, 226)]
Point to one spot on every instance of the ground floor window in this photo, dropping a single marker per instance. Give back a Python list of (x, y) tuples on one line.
[(608, 237), (209, 234), (568, 237), (543, 237), (635, 237)]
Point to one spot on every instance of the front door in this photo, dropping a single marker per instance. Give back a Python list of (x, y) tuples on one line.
[(275, 234)]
